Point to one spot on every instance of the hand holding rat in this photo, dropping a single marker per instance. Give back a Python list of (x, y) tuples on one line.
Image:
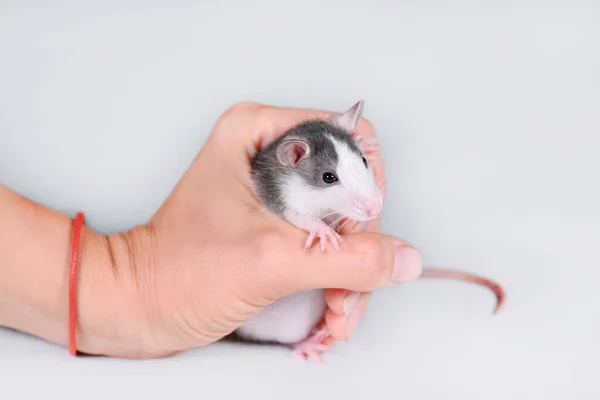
[(315, 176), (229, 259), (211, 258)]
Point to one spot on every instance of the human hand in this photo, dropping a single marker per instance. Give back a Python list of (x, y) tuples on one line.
[(211, 258)]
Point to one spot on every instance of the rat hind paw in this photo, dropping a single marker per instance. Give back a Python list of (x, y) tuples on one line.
[(312, 347), (324, 233)]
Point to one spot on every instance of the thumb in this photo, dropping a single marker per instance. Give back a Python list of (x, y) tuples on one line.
[(368, 261)]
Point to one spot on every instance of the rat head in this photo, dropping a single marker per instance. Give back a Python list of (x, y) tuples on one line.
[(327, 173)]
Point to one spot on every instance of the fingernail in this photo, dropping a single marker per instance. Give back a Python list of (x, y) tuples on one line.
[(353, 321), (407, 264), (350, 302)]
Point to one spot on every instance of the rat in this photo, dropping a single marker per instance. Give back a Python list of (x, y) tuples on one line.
[(314, 176)]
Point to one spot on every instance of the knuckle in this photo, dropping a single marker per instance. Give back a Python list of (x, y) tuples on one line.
[(369, 246), (242, 106), (239, 114), (240, 109), (372, 261)]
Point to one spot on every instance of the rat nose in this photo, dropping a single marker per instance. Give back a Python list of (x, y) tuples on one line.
[(372, 207)]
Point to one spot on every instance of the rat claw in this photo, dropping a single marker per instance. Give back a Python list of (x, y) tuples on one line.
[(335, 243), (335, 240), (310, 240), (324, 234), (298, 354), (323, 348)]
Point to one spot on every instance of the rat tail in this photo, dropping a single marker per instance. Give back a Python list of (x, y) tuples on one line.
[(498, 291)]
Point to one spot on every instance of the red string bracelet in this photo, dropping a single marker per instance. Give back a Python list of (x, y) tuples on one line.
[(77, 225)]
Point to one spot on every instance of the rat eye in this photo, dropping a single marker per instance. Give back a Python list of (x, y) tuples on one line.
[(328, 177), (365, 162)]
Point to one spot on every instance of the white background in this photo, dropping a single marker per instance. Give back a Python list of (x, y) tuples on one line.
[(489, 117)]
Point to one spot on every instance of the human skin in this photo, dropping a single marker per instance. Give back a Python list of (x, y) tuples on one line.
[(209, 259)]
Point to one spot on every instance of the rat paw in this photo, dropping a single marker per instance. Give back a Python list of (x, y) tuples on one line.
[(367, 145), (321, 335), (324, 233), (312, 347)]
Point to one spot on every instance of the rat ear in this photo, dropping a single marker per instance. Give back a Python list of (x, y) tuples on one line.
[(349, 119), (291, 152)]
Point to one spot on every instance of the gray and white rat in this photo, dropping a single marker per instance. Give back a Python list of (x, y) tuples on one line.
[(314, 176)]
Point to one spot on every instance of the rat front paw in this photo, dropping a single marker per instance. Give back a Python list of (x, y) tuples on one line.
[(367, 146), (324, 233)]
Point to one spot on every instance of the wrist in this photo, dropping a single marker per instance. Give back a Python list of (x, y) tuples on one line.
[(109, 317), (114, 310), (128, 330), (35, 253)]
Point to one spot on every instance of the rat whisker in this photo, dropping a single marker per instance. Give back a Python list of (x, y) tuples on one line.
[(340, 211), (336, 221), (344, 224)]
